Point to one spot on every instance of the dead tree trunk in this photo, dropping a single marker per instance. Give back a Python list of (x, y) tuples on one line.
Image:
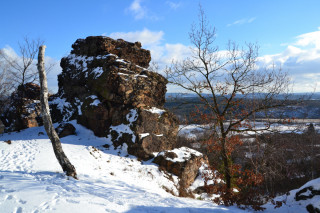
[(67, 167)]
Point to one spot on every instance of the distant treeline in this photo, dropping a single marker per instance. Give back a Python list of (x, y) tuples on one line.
[(184, 105)]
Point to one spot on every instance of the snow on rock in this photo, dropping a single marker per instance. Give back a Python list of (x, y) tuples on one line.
[(155, 110), (120, 133), (181, 154), (142, 135), (132, 116), (61, 103), (64, 108), (97, 72), (95, 99), (122, 129), (204, 171), (79, 104), (183, 162), (31, 179), (23, 109)]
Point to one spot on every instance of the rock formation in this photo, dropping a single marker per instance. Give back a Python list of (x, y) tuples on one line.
[(183, 162), (65, 129), (24, 110), (106, 86)]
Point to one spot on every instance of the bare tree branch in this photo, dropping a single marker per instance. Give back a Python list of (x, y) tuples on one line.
[(231, 85)]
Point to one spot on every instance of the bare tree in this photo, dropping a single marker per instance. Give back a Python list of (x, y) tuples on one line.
[(22, 68), (6, 87), (56, 144), (232, 87)]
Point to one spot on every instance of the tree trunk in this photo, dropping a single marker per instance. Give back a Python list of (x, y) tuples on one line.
[(64, 162), (226, 165)]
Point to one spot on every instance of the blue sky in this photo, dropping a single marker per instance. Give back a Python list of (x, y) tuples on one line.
[(287, 32)]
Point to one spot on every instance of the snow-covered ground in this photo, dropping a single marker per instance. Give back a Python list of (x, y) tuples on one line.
[(31, 179), (293, 206)]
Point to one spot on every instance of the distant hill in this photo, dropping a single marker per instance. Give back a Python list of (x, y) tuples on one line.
[(184, 104)]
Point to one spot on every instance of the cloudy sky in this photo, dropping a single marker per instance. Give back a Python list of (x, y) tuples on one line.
[(287, 31)]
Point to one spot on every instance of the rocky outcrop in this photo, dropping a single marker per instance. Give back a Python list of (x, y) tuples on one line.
[(105, 85), (24, 110), (183, 162), (65, 129), (100, 45)]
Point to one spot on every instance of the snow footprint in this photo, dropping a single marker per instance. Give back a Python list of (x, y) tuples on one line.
[(8, 197), (22, 201), (18, 210), (72, 201), (44, 205)]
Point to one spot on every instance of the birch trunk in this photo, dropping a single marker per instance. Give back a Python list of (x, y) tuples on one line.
[(67, 167)]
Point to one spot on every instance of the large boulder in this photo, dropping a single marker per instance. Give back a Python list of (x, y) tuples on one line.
[(156, 131), (183, 162), (106, 87), (24, 110)]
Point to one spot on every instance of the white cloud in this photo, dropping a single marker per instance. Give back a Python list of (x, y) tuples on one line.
[(138, 11), (309, 39), (53, 73), (9, 52), (161, 52), (146, 37), (175, 52), (301, 60), (242, 21), (173, 5)]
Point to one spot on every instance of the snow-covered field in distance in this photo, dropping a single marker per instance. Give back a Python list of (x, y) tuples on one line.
[(192, 131)]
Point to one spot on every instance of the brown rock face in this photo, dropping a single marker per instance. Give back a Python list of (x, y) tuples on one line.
[(101, 45), (65, 129), (183, 162), (105, 85), (29, 91), (157, 131), (25, 108)]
